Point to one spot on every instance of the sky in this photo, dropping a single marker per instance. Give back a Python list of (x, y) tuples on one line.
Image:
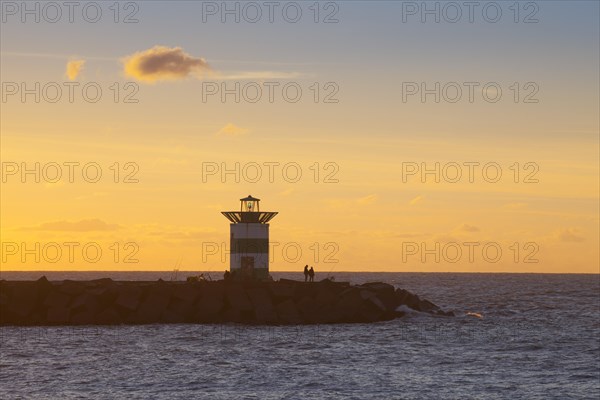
[(385, 139)]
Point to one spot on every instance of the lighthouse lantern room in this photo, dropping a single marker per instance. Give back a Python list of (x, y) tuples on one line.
[(249, 240)]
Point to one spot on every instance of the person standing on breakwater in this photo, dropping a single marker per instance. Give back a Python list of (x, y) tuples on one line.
[(311, 273), (306, 273)]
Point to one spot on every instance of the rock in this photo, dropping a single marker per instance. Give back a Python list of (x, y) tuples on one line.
[(23, 300), (186, 292), (87, 302), (104, 301), (288, 313), (324, 297), (400, 296), (347, 308), (102, 282), (57, 315), (367, 294), (210, 304), (281, 290), (408, 299), (385, 293), (427, 306), (84, 317), (378, 287), (109, 316), (302, 290), (377, 303), (155, 302), (6, 315), (309, 310), (71, 288), (264, 311), (129, 297), (182, 305), (179, 311), (237, 298), (56, 299), (105, 294)]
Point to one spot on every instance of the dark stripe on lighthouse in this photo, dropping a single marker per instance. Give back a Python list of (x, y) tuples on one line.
[(247, 246)]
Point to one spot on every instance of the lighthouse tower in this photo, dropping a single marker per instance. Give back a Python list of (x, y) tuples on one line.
[(249, 240)]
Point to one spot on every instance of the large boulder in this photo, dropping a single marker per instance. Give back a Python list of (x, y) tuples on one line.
[(211, 303), (155, 302), (24, 300), (187, 292), (264, 311), (56, 299), (282, 290), (82, 317), (88, 302), (58, 315), (348, 305), (288, 312), (109, 316), (71, 288), (129, 297), (237, 298), (309, 310)]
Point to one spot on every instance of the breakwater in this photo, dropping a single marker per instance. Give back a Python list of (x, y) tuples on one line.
[(284, 302)]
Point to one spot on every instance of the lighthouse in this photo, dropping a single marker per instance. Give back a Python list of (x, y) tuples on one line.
[(249, 240)]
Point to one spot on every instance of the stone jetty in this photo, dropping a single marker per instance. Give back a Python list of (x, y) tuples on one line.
[(284, 302)]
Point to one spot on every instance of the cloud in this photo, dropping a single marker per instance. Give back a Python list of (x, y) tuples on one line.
[(54, 185), (467, 228), (170, 161), (287, 192), (91, 195), (362, 201), (258, 75), (232, 130), (74, 67), (416, 200), (164, 63), (85, 225), (571, 235), (445, 238), (515, 206), (370, 199)]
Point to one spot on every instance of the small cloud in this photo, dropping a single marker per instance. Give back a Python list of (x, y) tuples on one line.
[(571, 235), (92, 195), (408, 235), (232, 130), (514, 206), (164, 63), (467, 228), (416, 200), (170, 161), (74, 67), (444, 238), (286, 192), (370, 199), (362, 201), (85, 225), (258, 75), (54, 185)]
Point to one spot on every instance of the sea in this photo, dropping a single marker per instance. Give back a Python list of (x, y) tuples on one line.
[(515, 336)]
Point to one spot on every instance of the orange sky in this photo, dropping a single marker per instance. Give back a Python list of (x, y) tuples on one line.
[(359, 203)]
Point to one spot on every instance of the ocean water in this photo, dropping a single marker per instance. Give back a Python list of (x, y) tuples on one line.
[(516, 336)]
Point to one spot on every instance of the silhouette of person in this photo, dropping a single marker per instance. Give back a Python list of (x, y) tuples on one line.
[(306, 273), (311, 273)]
